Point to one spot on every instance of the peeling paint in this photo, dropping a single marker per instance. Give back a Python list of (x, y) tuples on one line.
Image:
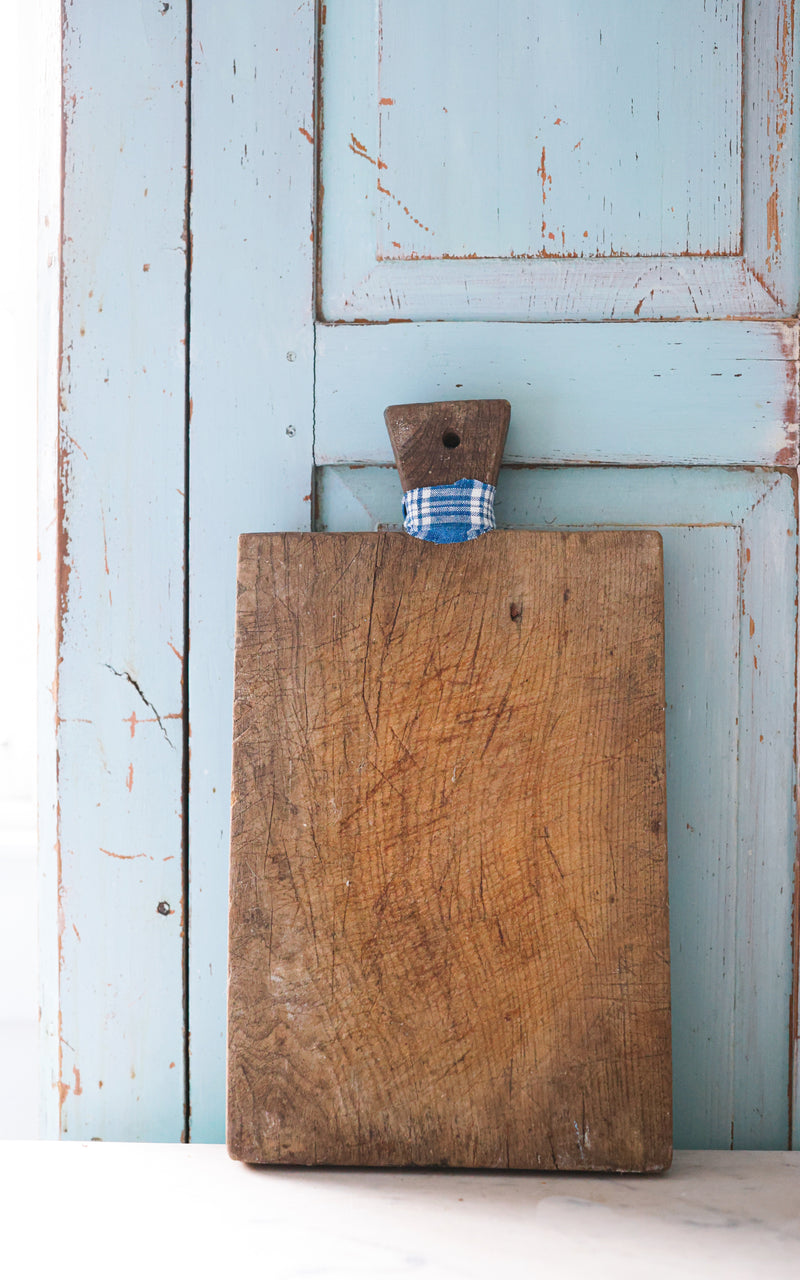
[(75, 445), (778, 101), (773, 224), (360, 150), (791, 407), (133, 720), (404, 207), (787, 456), (546, 178)]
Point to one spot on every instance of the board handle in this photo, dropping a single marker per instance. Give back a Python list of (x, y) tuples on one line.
[(448, 440)]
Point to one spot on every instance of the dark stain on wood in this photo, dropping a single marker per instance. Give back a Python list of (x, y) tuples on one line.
[(448, 440)]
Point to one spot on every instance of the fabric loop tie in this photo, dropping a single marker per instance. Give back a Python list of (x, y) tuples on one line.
[(449, 512)]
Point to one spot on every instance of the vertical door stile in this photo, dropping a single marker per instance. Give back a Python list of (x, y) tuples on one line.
[(251, 388), (114, 876), (766, 820)]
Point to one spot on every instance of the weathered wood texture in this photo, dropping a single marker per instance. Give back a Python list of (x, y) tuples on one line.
[(116, 1048), (448, 930), (449, 440), (522, 200), (730, 547)]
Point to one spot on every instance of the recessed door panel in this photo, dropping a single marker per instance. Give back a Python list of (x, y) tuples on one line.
[(580, 161), (526, 130)]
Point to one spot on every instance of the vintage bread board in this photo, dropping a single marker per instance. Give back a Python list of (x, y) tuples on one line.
[(448, 913)]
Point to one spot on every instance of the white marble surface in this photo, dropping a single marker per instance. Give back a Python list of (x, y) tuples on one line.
[(19, 996), (94, 1209)]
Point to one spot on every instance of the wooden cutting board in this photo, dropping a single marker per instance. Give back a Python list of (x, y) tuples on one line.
[(448, 915)]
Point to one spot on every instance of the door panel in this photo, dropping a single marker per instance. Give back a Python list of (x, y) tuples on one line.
[(572, 130), (603, 161), (729, 558)]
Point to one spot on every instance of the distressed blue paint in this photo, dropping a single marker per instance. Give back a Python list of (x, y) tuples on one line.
[(701, 642), (767, 806), (251, 431), (490, 128), (550, 140), (730, 754), (661, 393), (771, 145), (117, 1051)]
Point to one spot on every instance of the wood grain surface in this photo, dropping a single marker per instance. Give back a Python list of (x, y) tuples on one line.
[(448, 913), (448, 440)]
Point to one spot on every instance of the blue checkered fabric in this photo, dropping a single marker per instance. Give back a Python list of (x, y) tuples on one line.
[(449, 512)]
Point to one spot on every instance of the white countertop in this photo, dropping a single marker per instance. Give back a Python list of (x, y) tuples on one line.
[(116, 1209)]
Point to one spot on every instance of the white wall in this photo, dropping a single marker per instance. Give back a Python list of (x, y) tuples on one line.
[(19, 132)]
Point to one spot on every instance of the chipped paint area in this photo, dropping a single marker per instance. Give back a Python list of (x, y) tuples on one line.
[(788, 454), (360, 150), (779, 108)]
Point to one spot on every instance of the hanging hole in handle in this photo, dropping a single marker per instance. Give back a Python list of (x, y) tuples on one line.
[(451, 439)]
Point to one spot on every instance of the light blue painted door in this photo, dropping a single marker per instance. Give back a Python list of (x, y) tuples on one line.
[(589, 209), (469, 176)]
